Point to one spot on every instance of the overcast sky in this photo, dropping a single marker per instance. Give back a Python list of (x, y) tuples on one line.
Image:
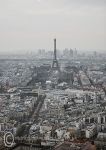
[(32, 24)]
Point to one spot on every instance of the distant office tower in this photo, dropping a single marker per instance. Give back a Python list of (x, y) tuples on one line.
[(55, 65), (95, 54), (41, 52), (75, 52), (71, 52)]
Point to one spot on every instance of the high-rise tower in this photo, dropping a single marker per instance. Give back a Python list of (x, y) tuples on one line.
[(55, 65)]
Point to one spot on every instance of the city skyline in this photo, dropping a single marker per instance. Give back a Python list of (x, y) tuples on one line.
[(30, 25)]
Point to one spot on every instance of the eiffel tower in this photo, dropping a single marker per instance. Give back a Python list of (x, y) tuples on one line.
[(55, 65)]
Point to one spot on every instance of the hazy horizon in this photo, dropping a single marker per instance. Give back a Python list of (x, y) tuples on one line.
[(28, 25)]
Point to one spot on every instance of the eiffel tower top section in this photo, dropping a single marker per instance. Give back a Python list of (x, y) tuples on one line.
[(55, 65), (55, 55)]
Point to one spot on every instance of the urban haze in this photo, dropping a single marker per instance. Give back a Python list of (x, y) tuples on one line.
[(52, 75)]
